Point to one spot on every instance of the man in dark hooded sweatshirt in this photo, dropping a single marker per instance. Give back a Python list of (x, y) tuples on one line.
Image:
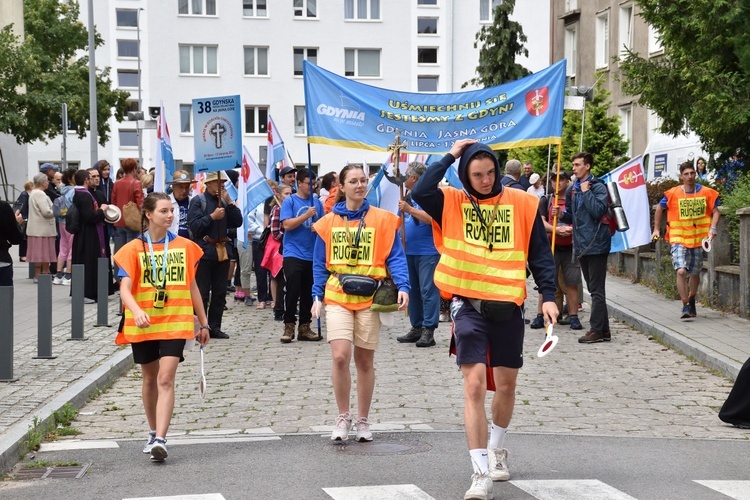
[(486, 234)]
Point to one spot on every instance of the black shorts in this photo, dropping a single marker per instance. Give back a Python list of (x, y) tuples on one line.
[(150, 350), (475, 335)]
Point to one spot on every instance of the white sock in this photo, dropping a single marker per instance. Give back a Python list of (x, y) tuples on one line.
[(161, 438), (479, 460), (497, 436)]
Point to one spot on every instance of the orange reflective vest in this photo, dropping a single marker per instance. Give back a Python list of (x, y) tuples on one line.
[(481, 262), (689, 215), (175, 319), (375, 243)]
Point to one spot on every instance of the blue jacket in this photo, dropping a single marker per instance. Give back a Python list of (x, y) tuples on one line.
[(584, 211)]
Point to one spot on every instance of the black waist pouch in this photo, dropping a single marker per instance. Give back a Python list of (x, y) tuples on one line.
[(493, 310)]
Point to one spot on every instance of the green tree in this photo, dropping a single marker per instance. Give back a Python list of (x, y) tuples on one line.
[(501, 42), (601, 137), (701, 81), (42, 71)]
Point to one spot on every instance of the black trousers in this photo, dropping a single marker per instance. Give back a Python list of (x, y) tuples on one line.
[(594, 269), (212, 282), (261, 275), (299, 282)]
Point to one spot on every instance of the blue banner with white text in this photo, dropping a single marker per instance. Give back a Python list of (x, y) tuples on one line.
[(346, 113)]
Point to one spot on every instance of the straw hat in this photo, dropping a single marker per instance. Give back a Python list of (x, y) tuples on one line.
[(215, 176), (112, 214)]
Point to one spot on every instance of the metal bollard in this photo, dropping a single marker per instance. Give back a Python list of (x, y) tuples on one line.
[(32, 270), (44, 314), (76, 304), (6, 335), (102, 292)]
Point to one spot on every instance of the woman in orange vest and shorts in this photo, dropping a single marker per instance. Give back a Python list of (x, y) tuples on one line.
[(159, 292), (355, 239)]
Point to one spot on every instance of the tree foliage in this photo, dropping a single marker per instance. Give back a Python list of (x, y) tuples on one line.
[(701, 83), (601, 137), (500, 42), (42, 71)]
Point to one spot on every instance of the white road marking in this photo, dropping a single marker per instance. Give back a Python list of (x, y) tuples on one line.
[(739, 490), (214, 440), (380, 492), (78, 445), (207, 496), (574, 489)]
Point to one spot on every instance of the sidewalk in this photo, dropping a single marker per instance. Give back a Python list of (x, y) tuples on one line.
[(717, 340)]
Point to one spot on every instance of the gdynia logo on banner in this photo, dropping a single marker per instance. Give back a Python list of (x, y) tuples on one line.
[(343, 115)]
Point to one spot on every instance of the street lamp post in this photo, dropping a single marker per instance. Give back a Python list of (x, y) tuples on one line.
[(93, 125), (138, 127)]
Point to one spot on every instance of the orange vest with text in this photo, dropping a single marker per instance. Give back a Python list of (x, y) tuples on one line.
[(481, 262), (175, 320), (689, 215), (375, 243)]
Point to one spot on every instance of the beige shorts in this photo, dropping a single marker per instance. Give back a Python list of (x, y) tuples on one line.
[(362, 328)]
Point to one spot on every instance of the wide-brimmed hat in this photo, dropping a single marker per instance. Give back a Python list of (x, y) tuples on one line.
[(182, 177), (112, 214), (215, 176)]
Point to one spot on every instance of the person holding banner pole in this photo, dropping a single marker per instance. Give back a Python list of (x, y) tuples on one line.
[(486, 234)]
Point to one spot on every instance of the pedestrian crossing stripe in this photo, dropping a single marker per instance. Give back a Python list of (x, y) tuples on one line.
[(380, 492), (739, 490), (208, 496), (78, 445), (576, 489)]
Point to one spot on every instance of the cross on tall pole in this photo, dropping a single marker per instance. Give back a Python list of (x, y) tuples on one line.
[(396, 149)]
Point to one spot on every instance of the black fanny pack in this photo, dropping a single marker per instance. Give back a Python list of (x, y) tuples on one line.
[(493, 310), (356, 284)]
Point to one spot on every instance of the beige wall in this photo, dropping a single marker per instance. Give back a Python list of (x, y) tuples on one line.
[(11, 11), (584, 19)]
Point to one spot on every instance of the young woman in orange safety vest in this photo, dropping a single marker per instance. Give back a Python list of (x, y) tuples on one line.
[(160, 294), (355, 238)]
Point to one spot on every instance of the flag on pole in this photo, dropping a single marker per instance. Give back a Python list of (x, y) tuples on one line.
[(255, 188), (199, 187), (275, 151), (382, 192), (451, 175), (631, 184), (164, 156)]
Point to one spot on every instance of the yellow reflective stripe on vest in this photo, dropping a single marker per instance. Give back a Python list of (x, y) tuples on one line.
[(483, 270), (500, 291), (177, 327), (496, 255)]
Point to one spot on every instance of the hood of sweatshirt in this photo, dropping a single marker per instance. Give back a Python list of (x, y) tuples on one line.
[(340, 209), (463, 166)]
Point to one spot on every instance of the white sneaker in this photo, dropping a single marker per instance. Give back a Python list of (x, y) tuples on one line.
[(57, 280), (342, 428), (159, 450), (481, 487), (363, 430), (66, 281), (149, 443), (498, 460)]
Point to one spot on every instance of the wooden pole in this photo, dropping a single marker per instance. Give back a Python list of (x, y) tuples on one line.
[(557, 187)]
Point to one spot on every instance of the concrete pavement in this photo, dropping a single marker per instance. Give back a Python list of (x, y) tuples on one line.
[(632, 386)]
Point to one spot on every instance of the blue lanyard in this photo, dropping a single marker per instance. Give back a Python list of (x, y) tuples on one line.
[(153, 257)]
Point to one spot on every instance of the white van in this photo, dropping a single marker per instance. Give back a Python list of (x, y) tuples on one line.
[(665, 153)]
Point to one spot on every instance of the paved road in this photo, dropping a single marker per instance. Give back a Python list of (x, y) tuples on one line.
[(414, 465)]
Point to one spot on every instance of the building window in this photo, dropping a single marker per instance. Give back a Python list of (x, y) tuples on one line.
[(133, 105), (305, 8), (602, 40), (256, 119), (626, 29), (127, 18), (304, 54), (427, 83), (654, 41), (127, 78), (427, 25), (486, 8), (362, 62), (254, 8), (626, 127), (427, 55), (198, 60), (299, 121), (426, 2), (186, 111), (362, 9), (571, 51), (127, 48), (197, 7), (128, 138), (256, 61)]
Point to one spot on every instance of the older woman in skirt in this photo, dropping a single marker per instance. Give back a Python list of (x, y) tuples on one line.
[(40, 229)]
